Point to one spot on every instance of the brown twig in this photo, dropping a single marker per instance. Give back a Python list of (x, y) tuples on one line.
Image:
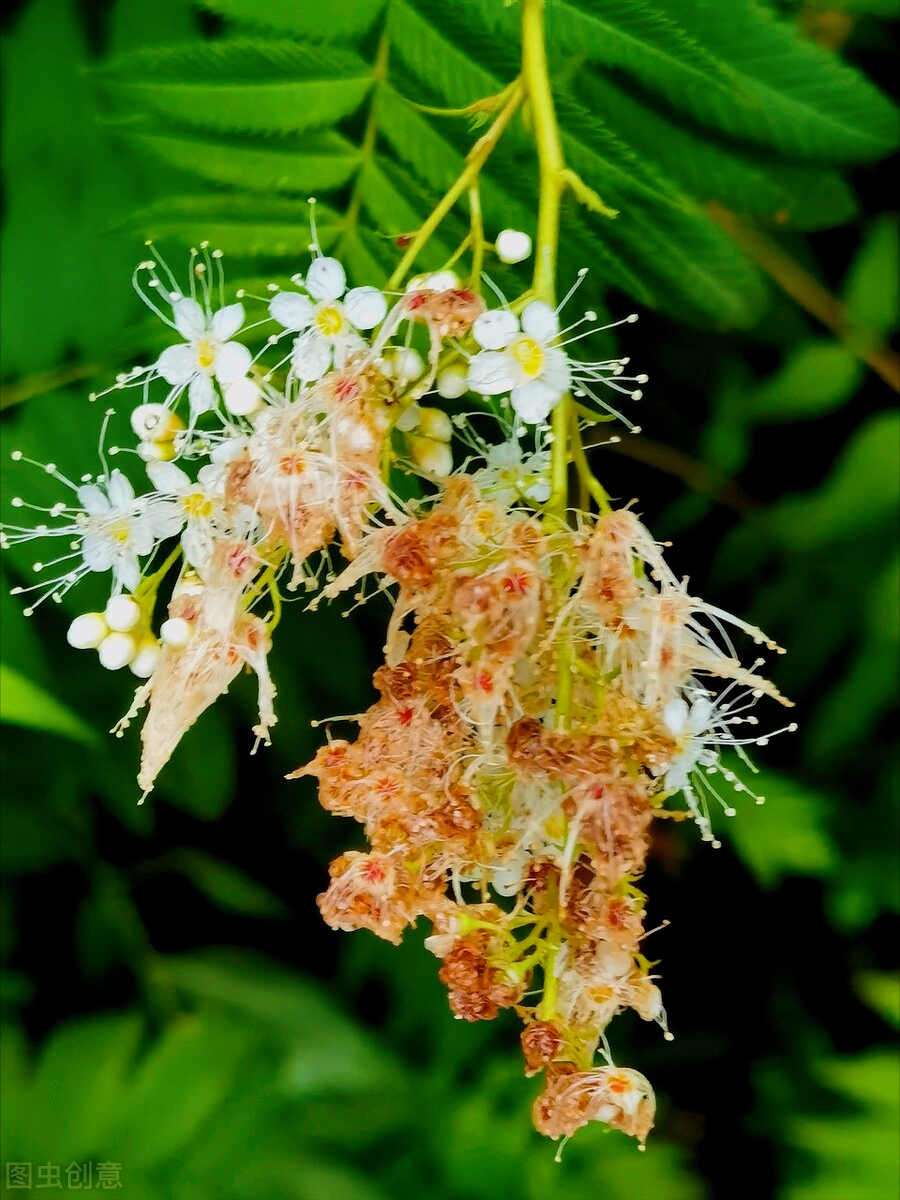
[(796, 282), (697, 475)]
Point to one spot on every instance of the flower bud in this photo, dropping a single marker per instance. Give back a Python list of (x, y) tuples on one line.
[(434, 458), (441, 281), (157, 451), (176, 632), (122, 613), (144, 662), (116, 651), (452, 383), (87, 631), (435, 424), (513, 246), (155, 423), (243, 398)]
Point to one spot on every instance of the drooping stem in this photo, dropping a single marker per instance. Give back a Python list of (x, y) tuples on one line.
[(475, 160), (552, 182)]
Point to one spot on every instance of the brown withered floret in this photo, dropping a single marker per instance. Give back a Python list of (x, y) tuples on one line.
[(451, 313), (541, 1043), (413, 553), (477, 989)]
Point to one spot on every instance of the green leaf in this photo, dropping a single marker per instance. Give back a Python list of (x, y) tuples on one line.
[(302, 164), (181, 1081), (317, 22), (24, 703), (863, 488), (709, 167), (790, 93), (200, 776), (328, 1051), (784, 836), (79, 1087), (245, 225), (881, 991), (817, 378), (246, 85), (871, 289), (736, 68), (228, 887), (854, 1154)]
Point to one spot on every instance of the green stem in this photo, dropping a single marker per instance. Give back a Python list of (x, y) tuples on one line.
[(476, 159), (552, 183), (476, 234)]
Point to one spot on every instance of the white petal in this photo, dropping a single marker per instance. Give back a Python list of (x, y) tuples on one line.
[(311, 356), (190, 319), (540, 321), (494, 330), (345, 345), (489, 373), (166, 477), (325, 279), (233, 361), (165, 518), (93, 500), (98, 552), (292, 310), (178, 364), (701, 715), (365, 307), (556, 372), (534, 400), (675, 716), (128, 571), (227, 321), (119, 490), (201, 394)]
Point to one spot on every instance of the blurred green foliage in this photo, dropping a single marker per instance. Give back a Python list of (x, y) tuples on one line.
[(170, 1000)]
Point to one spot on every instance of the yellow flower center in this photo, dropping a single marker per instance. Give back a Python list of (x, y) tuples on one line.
[(529, 355), (330, 321), (206, 354), (197, 505), (119, 533)]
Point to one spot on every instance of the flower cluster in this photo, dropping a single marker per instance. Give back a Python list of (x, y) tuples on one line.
[(546, 691), (550, 687)]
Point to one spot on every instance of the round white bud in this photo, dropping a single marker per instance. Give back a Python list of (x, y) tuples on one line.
[(116, 651), (243, 397), (452, 382), (87, 631), (122, 613), (155, 423), (513, 246), (435, 424), (176, 632), (156, 451), (434, 458), (408, 364), (441, 281), (144, 662)]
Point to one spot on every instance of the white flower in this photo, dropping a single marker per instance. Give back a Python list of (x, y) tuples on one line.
[(117, 528), (207, 353), (521, 359), (197, 502), (328, 325), (510, 475)]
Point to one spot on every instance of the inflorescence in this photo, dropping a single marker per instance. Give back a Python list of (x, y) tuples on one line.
[(549, 686)]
